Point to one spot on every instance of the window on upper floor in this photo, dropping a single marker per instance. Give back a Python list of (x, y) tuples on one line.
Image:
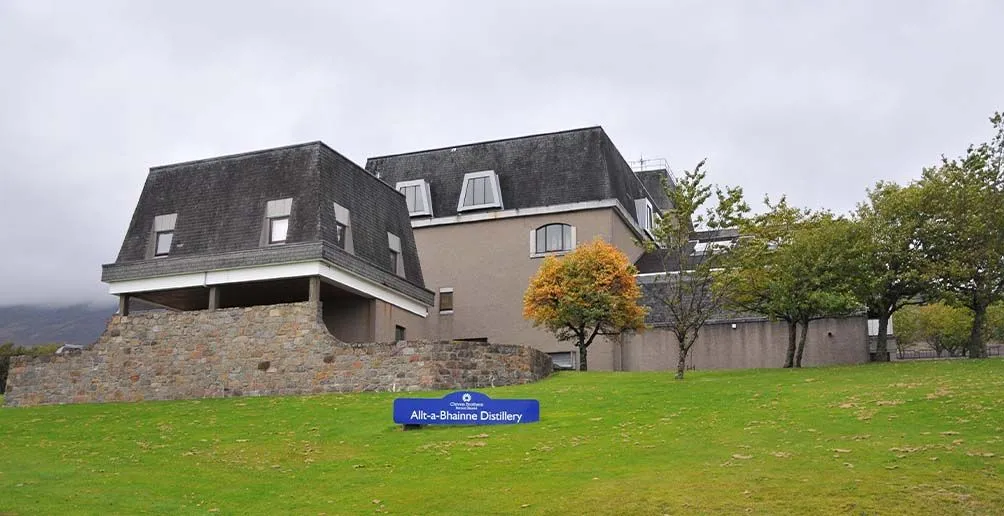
[(645, 214), (277, 215), (163, 232), (343, 228), (552, 238), (418, 197), (480, 190), (396, 258), (446, 300)]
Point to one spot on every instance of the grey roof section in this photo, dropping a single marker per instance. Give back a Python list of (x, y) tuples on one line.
[(652, 179), (221, 203), (661, 260), (658, 315), (534, 171)]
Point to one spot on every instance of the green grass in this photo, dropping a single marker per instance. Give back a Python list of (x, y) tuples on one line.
[(916, 438)]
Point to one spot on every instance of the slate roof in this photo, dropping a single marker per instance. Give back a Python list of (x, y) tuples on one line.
[(534, 171), (651, 289), (221, 206), (652, 179)]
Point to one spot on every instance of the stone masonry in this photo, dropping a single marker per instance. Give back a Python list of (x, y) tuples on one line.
[(261, 350)]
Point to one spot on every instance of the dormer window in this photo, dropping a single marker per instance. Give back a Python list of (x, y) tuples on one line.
[(417, 196), (396, 259), (343, 228), (645, 214), (480, 190), (277, 212), (163, 231)]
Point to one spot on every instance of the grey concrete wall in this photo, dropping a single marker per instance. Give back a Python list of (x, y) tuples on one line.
[(350, 319), (261, 350), (750, 344), (488, 265)]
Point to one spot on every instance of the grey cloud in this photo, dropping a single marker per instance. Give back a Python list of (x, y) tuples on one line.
[(813, 99)]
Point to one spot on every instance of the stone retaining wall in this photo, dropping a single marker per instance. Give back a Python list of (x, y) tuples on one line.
[(262, 350)]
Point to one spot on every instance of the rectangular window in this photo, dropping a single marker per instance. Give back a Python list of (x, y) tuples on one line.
[(396, 261), (562, 360), (399, 333), (163, 233), (446, 300), (340, 230), (277, 229), (554, 238), (164, 239), (645, 214), (343, 228), (277, 214)]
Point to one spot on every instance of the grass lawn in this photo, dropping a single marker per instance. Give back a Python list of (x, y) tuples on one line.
[(913, 438)]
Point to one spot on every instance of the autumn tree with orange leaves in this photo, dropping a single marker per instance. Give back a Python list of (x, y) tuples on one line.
[(590, 291)]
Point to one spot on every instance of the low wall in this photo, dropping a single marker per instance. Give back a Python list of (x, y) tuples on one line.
[(749, 344), (262, 350)]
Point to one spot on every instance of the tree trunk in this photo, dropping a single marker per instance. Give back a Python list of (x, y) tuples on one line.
[(681, 363), (882, 342), (789, 358), (976, 347), (801, 343), (582, 358)]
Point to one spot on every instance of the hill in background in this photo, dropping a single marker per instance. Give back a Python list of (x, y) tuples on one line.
[(30, 325)]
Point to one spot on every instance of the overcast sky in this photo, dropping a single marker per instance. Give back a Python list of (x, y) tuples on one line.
[(816, 100)]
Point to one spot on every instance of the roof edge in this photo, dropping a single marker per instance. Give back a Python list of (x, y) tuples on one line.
[(238, 155), (485, 142)]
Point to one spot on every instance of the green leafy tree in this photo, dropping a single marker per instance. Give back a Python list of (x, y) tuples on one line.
[(995, 323), (963, 234), (590, 291), (686, 292), (889, 271), (945, 328), (791, 265)]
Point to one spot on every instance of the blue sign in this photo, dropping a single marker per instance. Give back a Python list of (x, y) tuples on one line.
[(465, 408)]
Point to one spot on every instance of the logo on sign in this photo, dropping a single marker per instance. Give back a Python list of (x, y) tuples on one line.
[(465, 408)]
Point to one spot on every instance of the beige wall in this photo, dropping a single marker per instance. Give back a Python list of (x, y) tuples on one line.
[(357, 319), (750, 344), (488, 265), (387, 316)]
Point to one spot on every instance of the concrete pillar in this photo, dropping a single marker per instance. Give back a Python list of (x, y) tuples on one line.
[(315, 289), (214, 297), (123, 304)]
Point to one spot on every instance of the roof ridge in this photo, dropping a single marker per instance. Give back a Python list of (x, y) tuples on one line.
[(237, 155), (486, 142), (363, 169)]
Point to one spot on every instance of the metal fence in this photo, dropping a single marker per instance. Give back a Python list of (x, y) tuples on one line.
[(992, 351)]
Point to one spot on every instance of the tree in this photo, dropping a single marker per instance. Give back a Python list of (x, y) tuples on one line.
[(891, 271), (686, 290), (963, 211), (945, 328), (791, 265), (588, 292)]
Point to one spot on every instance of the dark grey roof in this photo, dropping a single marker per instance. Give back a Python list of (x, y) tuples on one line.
[(660, 260), (652, 179), (534, 171), (221, 205), (658, 314)]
